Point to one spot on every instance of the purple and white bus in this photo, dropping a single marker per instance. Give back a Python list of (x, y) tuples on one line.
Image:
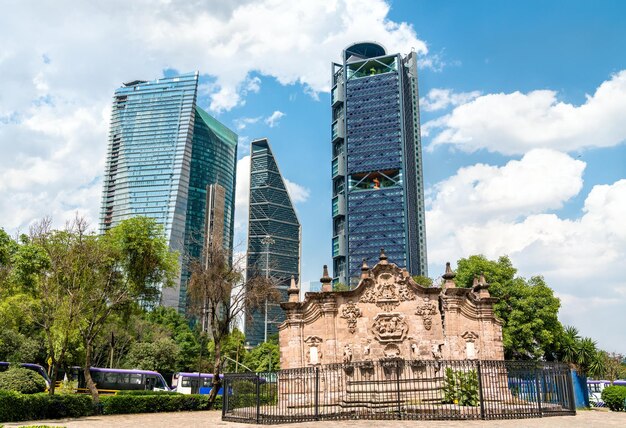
[(193, 383), (595, 388), (113, 380), (30, 366)]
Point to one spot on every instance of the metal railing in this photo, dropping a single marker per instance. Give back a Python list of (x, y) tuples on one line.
[(401, 389)]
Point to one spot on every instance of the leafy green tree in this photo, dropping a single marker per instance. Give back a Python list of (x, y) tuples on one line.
[(179, 330), (124, 266), (161, 355), (423, 280), (340, 286), (264, 357), (528, 308)]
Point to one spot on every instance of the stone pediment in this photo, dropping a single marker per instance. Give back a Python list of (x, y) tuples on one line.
[(387, 285)]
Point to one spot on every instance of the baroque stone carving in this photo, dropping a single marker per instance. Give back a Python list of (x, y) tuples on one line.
[(426, 311), (387, 292), (347, 353), (315, 354), (389, 327), (351, 312)]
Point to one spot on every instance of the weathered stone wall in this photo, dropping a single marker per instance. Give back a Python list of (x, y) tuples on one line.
[(388, 315)]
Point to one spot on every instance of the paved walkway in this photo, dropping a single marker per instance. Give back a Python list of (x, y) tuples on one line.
[(584, 419)]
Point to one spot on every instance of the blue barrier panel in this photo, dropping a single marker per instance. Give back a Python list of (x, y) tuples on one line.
[(581, 394)]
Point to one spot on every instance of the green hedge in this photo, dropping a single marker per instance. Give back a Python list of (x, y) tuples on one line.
[(121, 404), (22, 380), (16, 407), (147, 392), (614, 397)]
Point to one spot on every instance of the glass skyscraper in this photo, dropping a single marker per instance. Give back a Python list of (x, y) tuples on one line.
[(273, 237), (164, 153), (378, 192)]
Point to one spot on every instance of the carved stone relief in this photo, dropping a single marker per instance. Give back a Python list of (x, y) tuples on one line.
[(315, 353), (426, 311), (470, 345), (347, 353), (351, 312), (389, 327), (392, 351), (387, 292)]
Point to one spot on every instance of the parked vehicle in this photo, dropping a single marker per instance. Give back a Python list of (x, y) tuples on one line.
[(30, 366), (109, 381), (595, 388), (193, 383)]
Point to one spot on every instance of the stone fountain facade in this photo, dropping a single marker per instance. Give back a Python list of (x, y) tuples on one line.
[(389, 316)]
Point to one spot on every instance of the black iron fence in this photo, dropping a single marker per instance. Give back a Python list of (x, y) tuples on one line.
[(401, 389)]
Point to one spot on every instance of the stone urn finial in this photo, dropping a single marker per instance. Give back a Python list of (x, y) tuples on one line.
[(448, 277), (326, 280), (481, 287), (365, 270), (382, 257), (294, 291)]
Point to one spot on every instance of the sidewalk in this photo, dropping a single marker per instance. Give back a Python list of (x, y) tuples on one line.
[(584, 419)]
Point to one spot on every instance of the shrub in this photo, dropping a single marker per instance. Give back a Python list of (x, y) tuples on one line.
[(147, 392), (152, 403), (460, 387), (22, 407), (614, 397), (22, 380)]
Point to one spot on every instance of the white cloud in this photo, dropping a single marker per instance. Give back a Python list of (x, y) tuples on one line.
[(506, 210), (542, 179), (58, 80), (297, 193), (515, 123), (242, 195), (274, 118), (243, 122), (439, 99)]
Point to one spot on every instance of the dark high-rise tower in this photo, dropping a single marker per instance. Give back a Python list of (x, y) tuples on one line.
[(273, 237), (378, 196), (164, 154)]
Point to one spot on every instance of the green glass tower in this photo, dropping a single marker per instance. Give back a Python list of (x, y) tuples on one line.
[(273, 237), (164, 153)]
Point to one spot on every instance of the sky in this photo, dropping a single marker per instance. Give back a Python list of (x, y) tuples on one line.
[(523, 112)]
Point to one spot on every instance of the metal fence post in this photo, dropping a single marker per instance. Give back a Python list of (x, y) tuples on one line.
[(317, 392), (569, 385), (225, 396), (258, 399), (480, 390), (537, 385), (397, 363)]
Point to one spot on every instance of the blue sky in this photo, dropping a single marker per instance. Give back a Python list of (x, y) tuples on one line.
[(523, 107)]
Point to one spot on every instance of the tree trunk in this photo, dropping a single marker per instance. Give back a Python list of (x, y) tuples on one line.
[(53, 376), (87, 373), (217, 382)]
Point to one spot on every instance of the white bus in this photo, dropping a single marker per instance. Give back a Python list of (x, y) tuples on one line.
[(193, 383)]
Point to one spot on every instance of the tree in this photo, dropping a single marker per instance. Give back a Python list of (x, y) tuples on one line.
[(161, 355), (423, 280), (264, 357), (126, 265), (218, 292), (340, 286), (528, 308)]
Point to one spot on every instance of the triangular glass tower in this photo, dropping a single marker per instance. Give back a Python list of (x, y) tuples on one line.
[(273, 237)]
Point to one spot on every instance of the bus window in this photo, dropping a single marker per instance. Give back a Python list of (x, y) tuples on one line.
[(109, 377), (135, 379)]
